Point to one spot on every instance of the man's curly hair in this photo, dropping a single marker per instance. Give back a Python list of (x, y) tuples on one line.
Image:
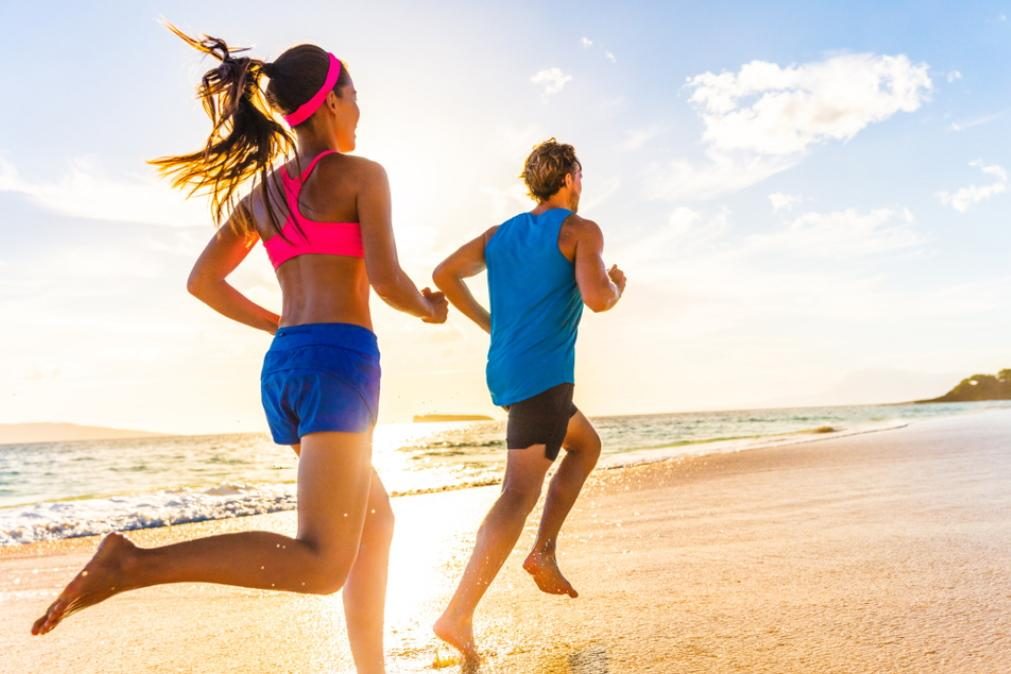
[(545, 168)]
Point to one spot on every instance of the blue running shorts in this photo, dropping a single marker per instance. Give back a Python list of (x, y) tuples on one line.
[(320, 377)]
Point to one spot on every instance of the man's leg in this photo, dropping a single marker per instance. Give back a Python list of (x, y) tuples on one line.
[(496, 538), (582, 445)]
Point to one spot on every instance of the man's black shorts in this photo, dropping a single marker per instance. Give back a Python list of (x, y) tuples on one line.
[(541, 420)]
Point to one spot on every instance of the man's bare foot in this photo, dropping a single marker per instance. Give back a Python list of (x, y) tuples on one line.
[(100, 578), (544, 568), (459, 634)]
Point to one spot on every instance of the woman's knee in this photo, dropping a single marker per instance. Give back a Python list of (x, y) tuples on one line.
[(380, 521), (328, 570), (328, 583)]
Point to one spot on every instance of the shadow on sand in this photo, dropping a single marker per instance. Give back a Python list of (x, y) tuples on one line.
[(591, 660), (587, 661)]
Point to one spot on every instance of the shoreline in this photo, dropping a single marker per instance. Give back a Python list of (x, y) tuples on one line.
[(617, 460), (254, 505)]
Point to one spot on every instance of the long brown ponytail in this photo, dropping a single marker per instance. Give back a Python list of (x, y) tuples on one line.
[(245, 138)]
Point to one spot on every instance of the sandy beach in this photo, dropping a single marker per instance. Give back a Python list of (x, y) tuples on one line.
[(882, 552)]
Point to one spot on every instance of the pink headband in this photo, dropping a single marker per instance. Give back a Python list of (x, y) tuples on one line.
[(306, 110)]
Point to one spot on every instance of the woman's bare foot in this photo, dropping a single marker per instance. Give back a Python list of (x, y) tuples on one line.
[(544, 568), (459, 634), (100, 578)]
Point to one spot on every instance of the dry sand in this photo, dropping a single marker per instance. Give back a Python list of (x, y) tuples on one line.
[(885, 552)]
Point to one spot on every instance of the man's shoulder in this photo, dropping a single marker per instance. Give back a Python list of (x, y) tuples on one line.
[(576, 220), (580, 228)]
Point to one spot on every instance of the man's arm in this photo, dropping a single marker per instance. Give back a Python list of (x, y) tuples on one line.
[(601, 288), (450, 274)]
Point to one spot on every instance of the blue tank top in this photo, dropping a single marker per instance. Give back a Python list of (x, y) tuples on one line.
[(535, 308)]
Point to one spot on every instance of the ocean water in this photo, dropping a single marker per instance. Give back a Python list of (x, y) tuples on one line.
[(66, 489)]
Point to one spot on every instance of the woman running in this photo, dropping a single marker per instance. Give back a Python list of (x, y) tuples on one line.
[(324, 219)]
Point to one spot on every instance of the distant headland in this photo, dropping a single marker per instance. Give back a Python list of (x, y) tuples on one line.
[(978, 387), (430, 418), (59, 432)]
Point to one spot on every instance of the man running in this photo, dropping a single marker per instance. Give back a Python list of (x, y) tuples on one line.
[(543, 266)]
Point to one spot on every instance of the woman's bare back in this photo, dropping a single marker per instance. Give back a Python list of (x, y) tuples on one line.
[(319, 288)]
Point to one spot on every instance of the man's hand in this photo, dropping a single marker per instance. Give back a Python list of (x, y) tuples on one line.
[(438, 307), (617, 277)]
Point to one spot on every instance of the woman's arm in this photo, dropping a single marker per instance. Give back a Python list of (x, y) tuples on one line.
[(226, 249), (381, 262)]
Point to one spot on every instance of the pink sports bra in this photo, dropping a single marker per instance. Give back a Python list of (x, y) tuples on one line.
[(303, 236)]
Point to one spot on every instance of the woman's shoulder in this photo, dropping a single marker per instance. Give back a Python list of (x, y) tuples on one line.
[(343, 166)]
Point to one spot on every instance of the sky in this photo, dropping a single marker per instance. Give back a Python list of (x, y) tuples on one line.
[(810, 200)]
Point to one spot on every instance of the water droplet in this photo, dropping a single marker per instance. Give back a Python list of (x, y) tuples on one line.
[(84, 573), (261, 568)]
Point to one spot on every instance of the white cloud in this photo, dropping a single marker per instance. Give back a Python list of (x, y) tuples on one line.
[(763, 119), (963, 198), (848, 233), (609, 55), (978, 121), (772, 110), (783, 202), (819, 265), (552, 80), (686, 222), (720, 174), (86, 191), (953, 76), (687, 233), (586, 42), (8, 176), (636, 138), (842, 234)]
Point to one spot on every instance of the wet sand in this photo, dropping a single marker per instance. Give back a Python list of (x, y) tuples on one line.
[(884, 552)]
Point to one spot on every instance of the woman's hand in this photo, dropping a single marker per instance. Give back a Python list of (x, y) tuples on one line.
[(207, 281), (274, 323), (438, 307)]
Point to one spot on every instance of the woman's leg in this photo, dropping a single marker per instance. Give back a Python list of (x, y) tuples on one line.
[(365, 589), (334, 475)]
